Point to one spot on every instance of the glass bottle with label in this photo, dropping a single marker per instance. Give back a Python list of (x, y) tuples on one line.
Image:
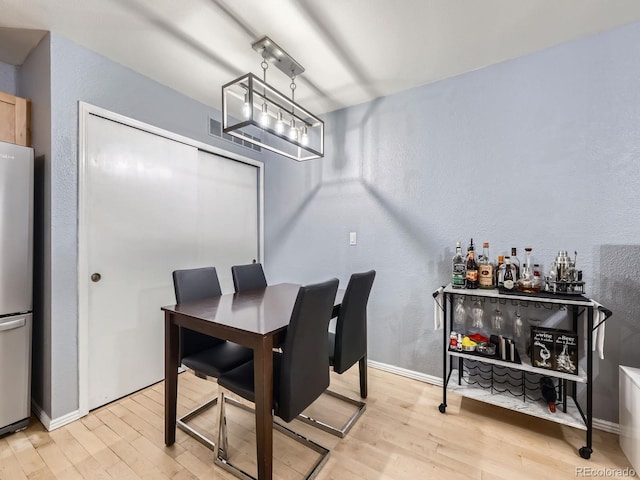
[(498, 271), (515, 263), (485, 269), (472, 268), (458, 279), (509, 282)]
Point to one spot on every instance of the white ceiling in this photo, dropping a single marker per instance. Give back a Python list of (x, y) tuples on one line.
[(352, 50)]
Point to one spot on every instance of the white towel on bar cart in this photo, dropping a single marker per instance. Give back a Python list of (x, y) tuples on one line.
[(597, 339), (438, 308)]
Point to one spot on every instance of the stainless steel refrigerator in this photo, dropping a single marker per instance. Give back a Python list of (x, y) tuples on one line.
[(16, 285)]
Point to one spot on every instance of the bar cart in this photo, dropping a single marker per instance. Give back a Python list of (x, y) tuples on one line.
[(515, 383)]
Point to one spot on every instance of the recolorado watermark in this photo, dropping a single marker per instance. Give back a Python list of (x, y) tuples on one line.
[(605, 472)]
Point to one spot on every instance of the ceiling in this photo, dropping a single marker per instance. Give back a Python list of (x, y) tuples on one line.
[(352, 50)]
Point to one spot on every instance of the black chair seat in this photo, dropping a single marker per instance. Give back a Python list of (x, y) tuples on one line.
[(240, 380), (217, 360)]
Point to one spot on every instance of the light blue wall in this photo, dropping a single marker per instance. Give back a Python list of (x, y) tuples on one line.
[(541, 151), (8, 78)]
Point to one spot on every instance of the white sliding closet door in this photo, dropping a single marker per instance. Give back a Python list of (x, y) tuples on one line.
[(228, 230), (152, 205)]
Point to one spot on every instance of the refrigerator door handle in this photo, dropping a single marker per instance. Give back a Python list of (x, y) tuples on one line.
[(17, 323)]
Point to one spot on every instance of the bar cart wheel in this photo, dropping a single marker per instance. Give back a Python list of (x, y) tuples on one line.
[(585, 452), (442, 408)]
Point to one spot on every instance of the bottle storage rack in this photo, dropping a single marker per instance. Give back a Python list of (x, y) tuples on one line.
[(513, 389), (515, 386)]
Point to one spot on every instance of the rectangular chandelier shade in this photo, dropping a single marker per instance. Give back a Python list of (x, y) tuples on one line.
[(255, 112)]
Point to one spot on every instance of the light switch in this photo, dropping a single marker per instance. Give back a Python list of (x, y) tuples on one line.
[(352, 238)]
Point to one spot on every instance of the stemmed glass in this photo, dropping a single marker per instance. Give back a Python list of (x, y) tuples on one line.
[(477, 313), (459, 315), (497, 322)]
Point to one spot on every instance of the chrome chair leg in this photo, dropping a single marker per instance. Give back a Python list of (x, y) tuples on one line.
[(221, 452), (316, 447), (337, 431), (221, 445), (181, 423)]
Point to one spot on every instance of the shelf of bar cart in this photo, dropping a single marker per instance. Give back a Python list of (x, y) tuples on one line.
[(523, 401)]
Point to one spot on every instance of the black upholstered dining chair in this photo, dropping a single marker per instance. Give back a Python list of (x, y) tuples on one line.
[(348, 346), (206, 356), (248, 277), (300, 372)]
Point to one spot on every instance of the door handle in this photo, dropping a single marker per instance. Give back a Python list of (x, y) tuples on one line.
[(17, 323), (96, 277)]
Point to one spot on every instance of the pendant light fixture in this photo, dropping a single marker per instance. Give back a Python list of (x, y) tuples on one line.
[(258, 113)]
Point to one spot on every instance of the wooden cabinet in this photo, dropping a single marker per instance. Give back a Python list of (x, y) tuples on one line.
[(15, 119)]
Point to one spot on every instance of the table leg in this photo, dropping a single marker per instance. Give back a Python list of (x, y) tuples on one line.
[(263, 381), (171, 335)]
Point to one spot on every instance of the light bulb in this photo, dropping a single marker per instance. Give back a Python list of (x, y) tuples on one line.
[(293, 131), (280, 123), (264, 116), (246, 108), (305, 136)]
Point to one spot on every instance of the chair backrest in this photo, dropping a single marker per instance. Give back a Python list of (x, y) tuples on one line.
[(304, 371), (248, 277), (351, 325), (191, 285), (196, 284)]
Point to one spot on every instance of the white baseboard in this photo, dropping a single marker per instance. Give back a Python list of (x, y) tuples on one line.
[(56, 422), (606, 426), (403, 372), (603, 425)]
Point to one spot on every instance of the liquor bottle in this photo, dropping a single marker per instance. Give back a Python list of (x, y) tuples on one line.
[(472, 267), (459, 271), (485, 269), (498, 270), (509, 282), (515, 263)]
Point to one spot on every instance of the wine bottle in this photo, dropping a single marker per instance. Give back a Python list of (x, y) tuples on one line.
[(472, 268)]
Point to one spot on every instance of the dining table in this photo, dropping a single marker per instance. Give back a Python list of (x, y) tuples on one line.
[(256, 319)]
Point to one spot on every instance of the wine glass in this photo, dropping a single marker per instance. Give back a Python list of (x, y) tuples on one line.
[(459, 315), (497, 322), (477, 312)]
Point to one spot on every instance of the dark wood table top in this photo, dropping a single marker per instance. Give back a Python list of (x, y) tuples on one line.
[(260, 311)]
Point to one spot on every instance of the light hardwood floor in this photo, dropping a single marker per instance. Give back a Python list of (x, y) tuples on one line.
[(400, 436)]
